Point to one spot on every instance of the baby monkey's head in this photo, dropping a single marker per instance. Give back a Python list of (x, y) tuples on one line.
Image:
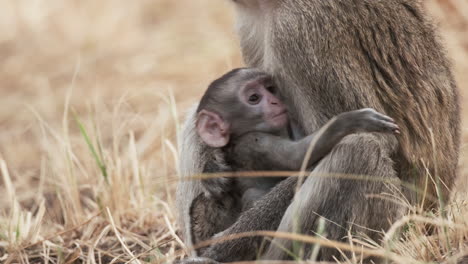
[(243, 100)]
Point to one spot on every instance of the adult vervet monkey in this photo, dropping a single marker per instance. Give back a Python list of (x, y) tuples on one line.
[(334, 56)]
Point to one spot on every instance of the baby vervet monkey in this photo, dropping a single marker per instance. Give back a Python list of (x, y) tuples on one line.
[(245, 124)]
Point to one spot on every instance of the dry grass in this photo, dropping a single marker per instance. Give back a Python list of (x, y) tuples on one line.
[(91, 96)]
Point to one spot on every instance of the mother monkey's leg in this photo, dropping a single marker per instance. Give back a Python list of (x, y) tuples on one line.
[(347, 205)]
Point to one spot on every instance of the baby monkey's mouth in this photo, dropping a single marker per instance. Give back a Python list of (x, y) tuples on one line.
[(280, 119), (284, 112)]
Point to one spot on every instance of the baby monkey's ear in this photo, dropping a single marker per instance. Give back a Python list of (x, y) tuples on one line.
[(213, 130)]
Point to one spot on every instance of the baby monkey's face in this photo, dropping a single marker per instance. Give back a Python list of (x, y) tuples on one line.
[(241, 101), (262, 108)]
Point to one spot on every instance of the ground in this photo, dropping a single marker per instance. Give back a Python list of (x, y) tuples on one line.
[(92, 96)]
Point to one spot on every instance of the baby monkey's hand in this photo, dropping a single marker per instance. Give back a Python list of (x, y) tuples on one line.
[(367, 120)]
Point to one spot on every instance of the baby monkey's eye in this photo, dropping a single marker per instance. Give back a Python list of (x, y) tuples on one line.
[(254, 99), (271, 89)]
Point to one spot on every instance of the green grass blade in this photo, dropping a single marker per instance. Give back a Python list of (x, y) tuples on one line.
[(97, 158)]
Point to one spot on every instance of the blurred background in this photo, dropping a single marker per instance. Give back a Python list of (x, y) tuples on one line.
[(91, 96)]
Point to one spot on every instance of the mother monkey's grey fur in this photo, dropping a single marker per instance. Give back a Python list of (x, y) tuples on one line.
[(330, 57)]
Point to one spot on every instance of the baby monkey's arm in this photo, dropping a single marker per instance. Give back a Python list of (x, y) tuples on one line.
[(269, 152)]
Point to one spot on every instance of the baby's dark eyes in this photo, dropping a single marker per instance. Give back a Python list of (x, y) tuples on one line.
[(271, 89), (254, 98)]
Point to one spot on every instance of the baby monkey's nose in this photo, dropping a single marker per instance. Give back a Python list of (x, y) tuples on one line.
[(273, 100)]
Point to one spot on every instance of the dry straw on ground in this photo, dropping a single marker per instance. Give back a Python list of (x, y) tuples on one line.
[(92, 93)]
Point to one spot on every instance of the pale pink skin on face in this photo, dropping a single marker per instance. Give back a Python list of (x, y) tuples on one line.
[(273, 110), (279, 121)]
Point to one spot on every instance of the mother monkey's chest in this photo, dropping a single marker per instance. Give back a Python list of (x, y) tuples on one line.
[(319, 66)]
